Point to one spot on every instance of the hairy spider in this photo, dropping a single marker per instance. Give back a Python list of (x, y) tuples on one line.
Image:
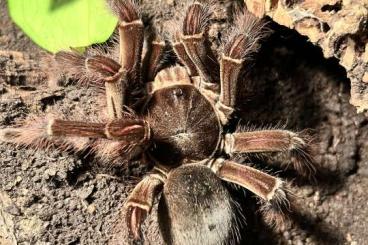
[(175, 124)]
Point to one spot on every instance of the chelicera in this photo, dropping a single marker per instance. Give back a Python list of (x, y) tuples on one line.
[(175, 122)]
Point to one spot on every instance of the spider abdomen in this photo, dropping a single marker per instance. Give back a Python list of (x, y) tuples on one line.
[(195, 207), (184, 125)]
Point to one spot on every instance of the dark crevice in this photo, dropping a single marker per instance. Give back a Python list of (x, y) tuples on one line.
[(356, 158), (325, 27), (50, 100), (283, 86), (332, 7)]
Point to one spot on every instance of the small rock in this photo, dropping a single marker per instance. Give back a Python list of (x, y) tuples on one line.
[(8, 187), (91, 209), (85, 192), (12, 209), (51, 172), (59, 205), (30, 228), (46, 215), (18, 179)]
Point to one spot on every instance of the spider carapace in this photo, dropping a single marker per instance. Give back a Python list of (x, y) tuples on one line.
[(177, 126), (184, 124)]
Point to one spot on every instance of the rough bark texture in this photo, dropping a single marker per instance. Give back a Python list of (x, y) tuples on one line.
[(338, 27), (61, 198)]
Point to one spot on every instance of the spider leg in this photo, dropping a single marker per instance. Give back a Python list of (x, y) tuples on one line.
[(117, 78), (97, 70), (242, 41), (299, 146), (115, 139), (194, 37), (33, 133), (275, 197), (129, 130), (131, 38), (184, 58), (113, 75), (140, 202), (107, 140), (152, 60), (86, 69)]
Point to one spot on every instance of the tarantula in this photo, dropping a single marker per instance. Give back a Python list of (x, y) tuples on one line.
[(175, 124)]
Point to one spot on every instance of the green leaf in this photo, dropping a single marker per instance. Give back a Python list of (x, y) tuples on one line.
[(60, 24)]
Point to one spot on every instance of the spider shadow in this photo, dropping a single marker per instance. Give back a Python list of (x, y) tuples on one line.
[(288, 86), (315, 228)]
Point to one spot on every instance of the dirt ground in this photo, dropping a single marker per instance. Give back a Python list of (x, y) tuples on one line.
[(50, 197)]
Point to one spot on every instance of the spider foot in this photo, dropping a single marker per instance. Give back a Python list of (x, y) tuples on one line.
[(194, 37), (277, 209), (134, 218), (125, 10), (32, 134), (140, 203), (301, 152)]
